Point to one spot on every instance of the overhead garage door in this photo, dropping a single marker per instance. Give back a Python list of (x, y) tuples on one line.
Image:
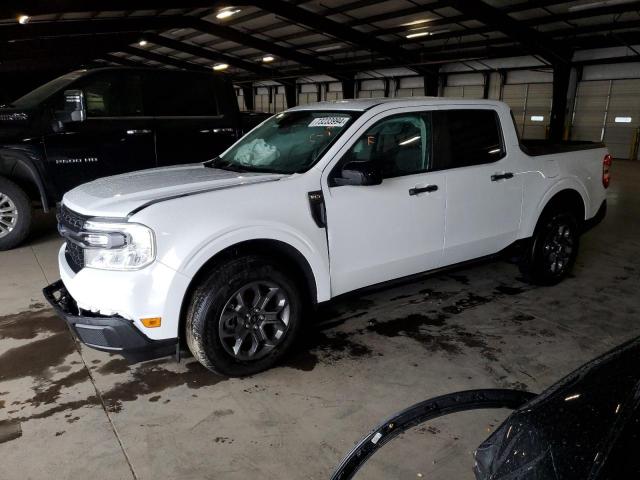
[(609, 111), (334, 91), (464, 91), (531, 106), (371, 89)]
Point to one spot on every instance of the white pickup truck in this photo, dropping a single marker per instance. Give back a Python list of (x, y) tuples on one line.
[(315, 202)]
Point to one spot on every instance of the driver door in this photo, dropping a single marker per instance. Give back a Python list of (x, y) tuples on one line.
[(116, 136), (383, 232)]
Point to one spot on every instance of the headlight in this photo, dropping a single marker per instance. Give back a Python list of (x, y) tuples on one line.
[(117, 246)]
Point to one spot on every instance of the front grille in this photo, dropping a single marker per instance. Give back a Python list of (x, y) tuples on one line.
[(74, 222), (75, 256), (71, 219)]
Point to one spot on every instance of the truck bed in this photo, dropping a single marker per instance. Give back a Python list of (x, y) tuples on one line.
[(535, 148)]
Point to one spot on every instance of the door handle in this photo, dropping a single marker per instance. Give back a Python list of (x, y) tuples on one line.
[(142, 131), (428, 188), (501, 176)]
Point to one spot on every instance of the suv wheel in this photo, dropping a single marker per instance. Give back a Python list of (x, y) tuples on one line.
[(244, 316), (15, 214), (553, 249)]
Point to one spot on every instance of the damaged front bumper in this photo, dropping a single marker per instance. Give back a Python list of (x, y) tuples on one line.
[(112, 334)]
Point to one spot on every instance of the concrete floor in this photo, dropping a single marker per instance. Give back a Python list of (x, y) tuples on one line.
[(67, 411)]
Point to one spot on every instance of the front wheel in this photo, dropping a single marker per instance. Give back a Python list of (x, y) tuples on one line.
[(244, 316), (15, 214), (553, 249)]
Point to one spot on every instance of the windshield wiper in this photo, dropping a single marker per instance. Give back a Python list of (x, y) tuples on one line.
[(218, 162)]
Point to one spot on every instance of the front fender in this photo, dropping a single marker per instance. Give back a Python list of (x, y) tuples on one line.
[(21, 163), (315, 256)]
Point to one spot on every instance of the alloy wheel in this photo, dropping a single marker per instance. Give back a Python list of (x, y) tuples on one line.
[(254, 320), (558, 248), (8, 215)]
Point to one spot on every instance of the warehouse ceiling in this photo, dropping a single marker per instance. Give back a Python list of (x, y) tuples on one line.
[(278, 39)]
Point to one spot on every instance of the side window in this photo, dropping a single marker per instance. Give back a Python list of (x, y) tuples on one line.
[(114, 95), (187, 95), (400, 144), (466, 137)]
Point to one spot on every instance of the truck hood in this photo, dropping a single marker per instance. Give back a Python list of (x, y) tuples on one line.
[(120, 195)]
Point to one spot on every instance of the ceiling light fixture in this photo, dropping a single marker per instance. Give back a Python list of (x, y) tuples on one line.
[(142, 43), (416, 22), (220, 66), (329, 48), (226, 12), (592, 5), (268, 58), (418, 34), (23, 19)]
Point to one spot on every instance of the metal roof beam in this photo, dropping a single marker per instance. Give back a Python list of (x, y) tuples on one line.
[(13, 8), (62, 28), (209, 55), (532, 40), (164, 59), (252, 41), (329, 27)]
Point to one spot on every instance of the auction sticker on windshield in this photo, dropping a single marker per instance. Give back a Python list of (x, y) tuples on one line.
[(329, 122)]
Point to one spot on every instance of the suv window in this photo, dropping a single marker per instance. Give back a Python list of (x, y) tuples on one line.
[(466, 137), (186, 95), (113, 95), (401, 144)]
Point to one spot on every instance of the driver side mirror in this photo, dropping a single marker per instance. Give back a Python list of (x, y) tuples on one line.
[(75, 109), (360, 173)]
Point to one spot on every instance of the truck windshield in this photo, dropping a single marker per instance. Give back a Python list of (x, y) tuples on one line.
[(37, 96), (289, 142)]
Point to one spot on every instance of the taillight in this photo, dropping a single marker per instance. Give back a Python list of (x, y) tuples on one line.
[(606, 170)]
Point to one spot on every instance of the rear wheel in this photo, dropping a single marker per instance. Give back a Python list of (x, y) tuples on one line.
[(15, 214), (553, 249), (244, 316)]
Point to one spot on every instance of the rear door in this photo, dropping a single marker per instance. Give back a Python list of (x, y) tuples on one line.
[(484, 191), (116, 136), (192, 124), (382, 232)]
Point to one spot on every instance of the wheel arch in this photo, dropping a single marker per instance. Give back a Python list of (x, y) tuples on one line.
[(565, 195), (23, 172), (284, 253)]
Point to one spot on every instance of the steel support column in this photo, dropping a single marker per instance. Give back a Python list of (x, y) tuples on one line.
[(561, 74)]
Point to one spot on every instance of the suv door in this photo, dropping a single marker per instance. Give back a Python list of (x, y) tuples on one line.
[(381, 232), (191, 124), (116, 136), (484, 193)]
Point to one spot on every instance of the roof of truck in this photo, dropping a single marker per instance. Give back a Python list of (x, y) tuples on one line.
[(362, 104)]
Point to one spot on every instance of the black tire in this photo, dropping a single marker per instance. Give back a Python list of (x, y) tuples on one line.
[(204, 326), (13, 229), (553, 249)]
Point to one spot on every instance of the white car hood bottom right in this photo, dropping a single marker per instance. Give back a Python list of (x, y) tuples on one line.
[(120, 195)]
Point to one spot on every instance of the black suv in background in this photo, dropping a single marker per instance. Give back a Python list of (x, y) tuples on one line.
[(94, 123)]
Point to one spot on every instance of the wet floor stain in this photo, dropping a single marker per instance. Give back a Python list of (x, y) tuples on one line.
[(36, 358), (153, 378), (114, 366), (509, 290), (470, 301), (327, 348), (10, 430), (48, 392), (28, 325)]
